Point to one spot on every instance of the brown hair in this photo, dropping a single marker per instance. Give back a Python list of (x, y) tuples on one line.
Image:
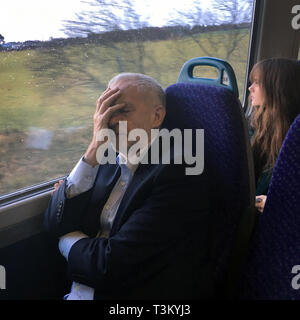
[(279, 80)]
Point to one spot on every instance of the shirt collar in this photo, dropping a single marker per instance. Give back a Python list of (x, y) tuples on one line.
[(132, 165), (122, 161)]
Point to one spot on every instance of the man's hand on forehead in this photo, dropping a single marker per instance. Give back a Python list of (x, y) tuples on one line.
[(110, 94), (106, 107)]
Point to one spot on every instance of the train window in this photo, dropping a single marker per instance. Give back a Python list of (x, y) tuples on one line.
[(205, 72), (56, 60)]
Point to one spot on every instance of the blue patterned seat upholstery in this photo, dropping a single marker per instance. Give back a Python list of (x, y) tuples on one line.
[(276, 242), (227, 156)]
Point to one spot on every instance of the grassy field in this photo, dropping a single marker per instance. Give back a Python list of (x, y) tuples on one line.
[(55, 90)]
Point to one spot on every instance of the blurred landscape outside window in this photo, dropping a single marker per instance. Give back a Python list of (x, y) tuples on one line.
[(49, 84)]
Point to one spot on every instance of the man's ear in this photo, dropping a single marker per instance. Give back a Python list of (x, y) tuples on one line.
[(159, 115)]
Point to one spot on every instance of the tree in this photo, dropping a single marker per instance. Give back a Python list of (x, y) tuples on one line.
[(221, 31), (233, 15), (106, 16), (1, 39), (98, 41)]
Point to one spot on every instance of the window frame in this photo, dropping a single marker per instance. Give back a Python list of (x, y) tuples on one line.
[(28, 192)]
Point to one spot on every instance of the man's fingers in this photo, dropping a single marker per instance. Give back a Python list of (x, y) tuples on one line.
[(99, 100), (110, 94), (56, 186), (52, 192), (108, 100), (110, 111)]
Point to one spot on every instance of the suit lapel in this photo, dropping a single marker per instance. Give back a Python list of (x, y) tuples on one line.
[(130, 199), (137, 189)]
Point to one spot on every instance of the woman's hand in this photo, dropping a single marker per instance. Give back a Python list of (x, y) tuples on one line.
[(260, 202)]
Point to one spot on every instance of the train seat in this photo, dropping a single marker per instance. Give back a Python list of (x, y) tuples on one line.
[(273, 264), (199, 103)]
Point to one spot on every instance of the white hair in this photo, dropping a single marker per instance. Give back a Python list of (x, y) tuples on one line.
[(143, 83)]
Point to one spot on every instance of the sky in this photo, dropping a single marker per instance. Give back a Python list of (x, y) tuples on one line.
[(22, 20)]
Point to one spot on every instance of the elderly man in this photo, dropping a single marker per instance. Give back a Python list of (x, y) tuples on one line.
[(132, 230)]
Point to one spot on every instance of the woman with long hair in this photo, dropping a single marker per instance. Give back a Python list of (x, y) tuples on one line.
[(275, 103)]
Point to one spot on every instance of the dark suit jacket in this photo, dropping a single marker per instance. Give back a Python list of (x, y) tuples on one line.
[(159, 243)]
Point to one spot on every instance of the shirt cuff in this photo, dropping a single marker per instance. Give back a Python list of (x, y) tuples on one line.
[(66, 242), (81, 178)]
